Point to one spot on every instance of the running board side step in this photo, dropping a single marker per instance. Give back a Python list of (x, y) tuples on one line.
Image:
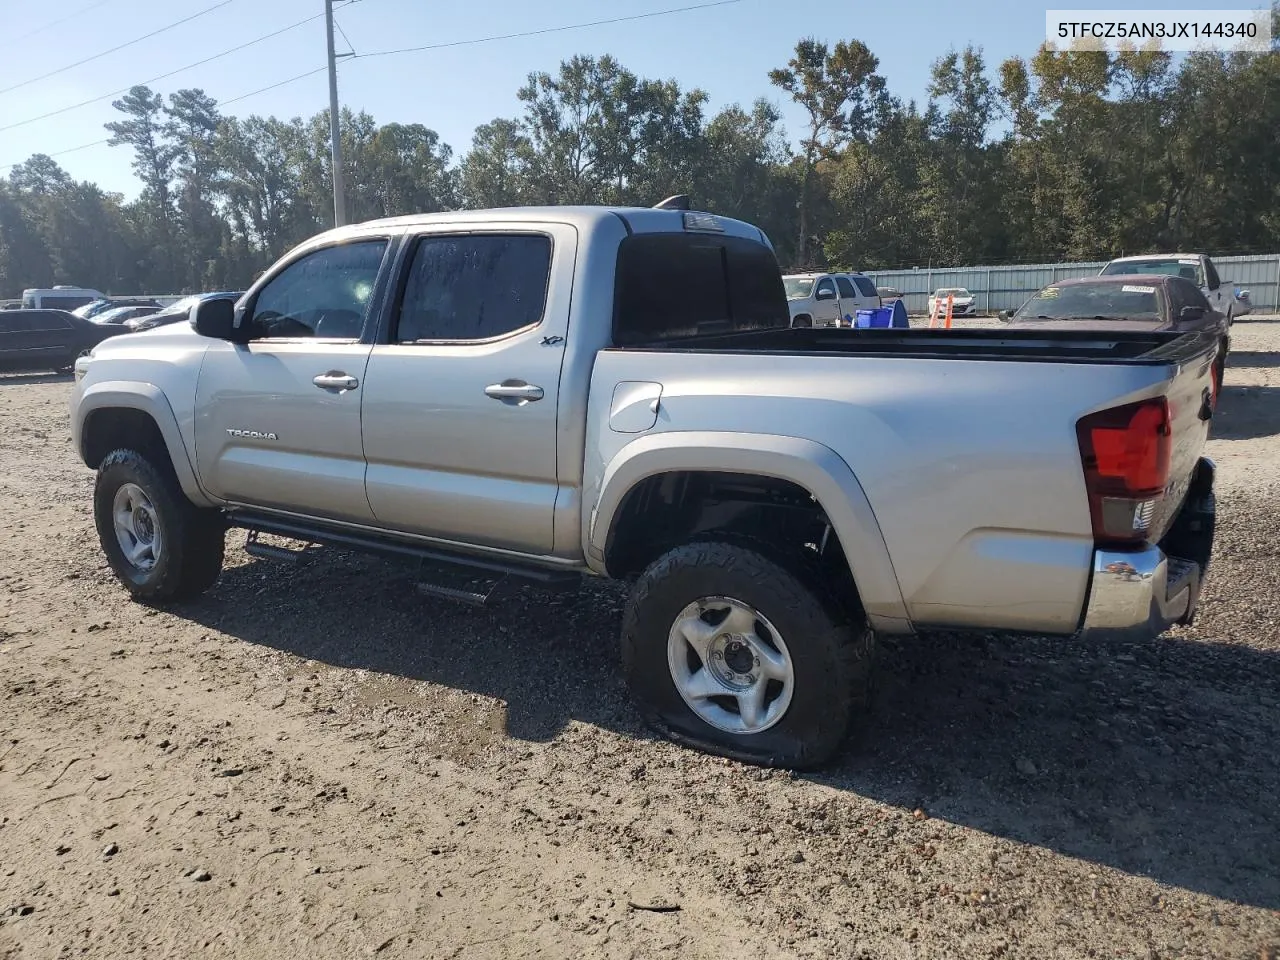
[(435, 563), (254, 546)]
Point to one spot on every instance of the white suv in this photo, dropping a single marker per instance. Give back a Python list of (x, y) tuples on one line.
[(828, 299)]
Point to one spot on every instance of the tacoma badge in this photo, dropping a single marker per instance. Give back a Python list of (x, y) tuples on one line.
[(251, 434)]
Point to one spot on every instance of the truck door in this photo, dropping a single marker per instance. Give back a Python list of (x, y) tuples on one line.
[(848, 301), (826, 306), (278, 418), (460, 409), (1219, 294)]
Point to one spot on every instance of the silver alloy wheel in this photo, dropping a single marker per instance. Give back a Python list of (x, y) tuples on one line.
[(137, 526), (730, 665)]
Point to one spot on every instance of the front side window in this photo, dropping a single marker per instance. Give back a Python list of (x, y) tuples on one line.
[(1211, 275), (826, 289), (324, 295), (474, 287)]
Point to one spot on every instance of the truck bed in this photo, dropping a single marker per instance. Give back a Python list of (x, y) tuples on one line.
[(1084, 346)]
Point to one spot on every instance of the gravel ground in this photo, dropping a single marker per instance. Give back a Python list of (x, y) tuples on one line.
[(319, 761)]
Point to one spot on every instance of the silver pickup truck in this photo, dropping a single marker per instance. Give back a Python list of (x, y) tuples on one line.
[(531, 395)]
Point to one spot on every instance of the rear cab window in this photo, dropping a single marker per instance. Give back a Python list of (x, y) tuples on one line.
[(1186, 267), (674, 286)]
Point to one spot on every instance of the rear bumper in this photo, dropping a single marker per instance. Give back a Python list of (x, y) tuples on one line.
[(1141, 593)]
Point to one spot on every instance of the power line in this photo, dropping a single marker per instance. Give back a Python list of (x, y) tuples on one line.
[(546, 30), (236, 99), (254, 93), (163, 76), (10, 41), (59, 153), (130, 43)]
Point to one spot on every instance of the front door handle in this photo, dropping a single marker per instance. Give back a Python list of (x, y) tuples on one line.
[(336, 380), (514, 392)]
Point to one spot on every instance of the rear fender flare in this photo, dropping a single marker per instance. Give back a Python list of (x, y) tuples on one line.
[(806, 463)]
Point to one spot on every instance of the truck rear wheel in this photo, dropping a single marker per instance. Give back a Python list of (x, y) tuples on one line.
[(732, 653), (160, 545)]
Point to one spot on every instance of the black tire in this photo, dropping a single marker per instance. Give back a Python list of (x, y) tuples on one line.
[(831, 653), (193, 539)]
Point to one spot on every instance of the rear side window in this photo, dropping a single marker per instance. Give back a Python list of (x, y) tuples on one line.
[(866, 286), (846, 288), (49, 321), (474, 287), (674, 285)]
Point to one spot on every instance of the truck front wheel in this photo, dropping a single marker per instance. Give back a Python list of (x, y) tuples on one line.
[(732, 653), (160, 545)]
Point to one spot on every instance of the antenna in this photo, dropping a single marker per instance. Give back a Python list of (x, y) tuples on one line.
[(679, 202)]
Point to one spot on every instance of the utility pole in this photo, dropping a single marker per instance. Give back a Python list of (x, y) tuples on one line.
[(339, 198)]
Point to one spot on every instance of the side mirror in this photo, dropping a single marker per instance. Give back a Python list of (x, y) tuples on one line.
[(1191, 313), (825, 295), (215, 319)]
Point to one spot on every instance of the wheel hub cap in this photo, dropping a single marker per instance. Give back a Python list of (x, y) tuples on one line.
[(136, 526), (730, 665)]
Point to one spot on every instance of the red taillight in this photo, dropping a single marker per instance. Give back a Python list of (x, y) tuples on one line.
[(1125, 452)]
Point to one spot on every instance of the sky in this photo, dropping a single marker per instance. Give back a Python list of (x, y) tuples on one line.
[(726, 50)]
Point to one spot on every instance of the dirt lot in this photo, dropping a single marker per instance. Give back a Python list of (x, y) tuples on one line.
[(320, 763)]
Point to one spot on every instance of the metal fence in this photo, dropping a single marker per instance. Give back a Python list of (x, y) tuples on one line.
[(1005, 288)]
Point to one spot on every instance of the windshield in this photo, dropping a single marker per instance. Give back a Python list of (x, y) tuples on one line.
[(1089, 301), (798, 288), (953, 291), (181, 306), (1184, 267), (89, 309)]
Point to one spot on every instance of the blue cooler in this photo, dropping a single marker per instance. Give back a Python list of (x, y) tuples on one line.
[(879, 317)]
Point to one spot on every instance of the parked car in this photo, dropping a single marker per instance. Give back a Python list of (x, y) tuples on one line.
[(1125, 302), (180, 310), (963, 303), (888, 295), (45, 339), (828, 299), (118, 316), (1196, 267), (91, 310), (59, 297), (531, 395)]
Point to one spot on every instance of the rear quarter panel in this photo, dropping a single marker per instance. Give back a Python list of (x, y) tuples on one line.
[(972, 468)]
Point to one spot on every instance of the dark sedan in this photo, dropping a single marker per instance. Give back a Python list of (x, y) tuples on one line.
[(47, 339), (179, 310), (1135, 302)]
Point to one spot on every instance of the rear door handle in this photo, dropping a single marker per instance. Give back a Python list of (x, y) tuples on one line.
[(514, 392), (336, 380)]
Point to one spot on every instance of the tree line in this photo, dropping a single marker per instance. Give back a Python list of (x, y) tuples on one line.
[(1062, 156)]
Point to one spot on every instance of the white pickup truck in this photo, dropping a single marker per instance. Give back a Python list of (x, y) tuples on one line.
[(1196, 267), (536, 394)]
